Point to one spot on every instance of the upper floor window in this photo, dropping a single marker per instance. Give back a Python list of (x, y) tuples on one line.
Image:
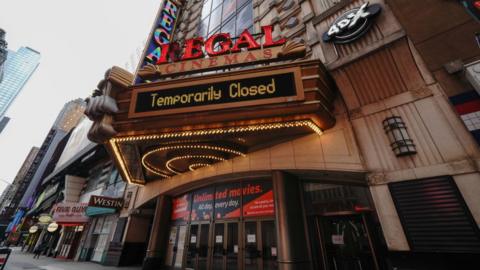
[(227, 16)]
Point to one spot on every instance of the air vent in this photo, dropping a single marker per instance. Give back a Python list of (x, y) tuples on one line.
[(435, 217)]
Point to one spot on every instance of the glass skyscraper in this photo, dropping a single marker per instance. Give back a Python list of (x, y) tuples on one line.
[(3, 52), (18, 68)]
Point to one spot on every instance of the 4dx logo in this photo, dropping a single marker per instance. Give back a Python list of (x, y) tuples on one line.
[(352, 24)]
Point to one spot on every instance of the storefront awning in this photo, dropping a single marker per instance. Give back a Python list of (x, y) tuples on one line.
[(96, 211)]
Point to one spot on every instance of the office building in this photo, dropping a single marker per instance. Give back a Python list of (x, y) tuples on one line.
[(19, 67), (3, 52)]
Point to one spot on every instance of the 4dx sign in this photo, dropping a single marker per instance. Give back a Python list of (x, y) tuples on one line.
[(351, 25)]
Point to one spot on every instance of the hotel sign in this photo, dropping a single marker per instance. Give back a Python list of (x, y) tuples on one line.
[(248, 89), (105, 202)]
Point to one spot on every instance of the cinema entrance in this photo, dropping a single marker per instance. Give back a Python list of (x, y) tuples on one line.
[(341, 226), (229, 226)]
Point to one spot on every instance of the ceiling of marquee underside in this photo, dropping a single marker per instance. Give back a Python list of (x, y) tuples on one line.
[(166, 155)]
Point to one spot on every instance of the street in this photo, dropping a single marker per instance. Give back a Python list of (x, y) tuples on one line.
[(22, 261)]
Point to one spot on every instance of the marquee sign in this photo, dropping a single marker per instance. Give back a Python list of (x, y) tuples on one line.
[(244, 90), (352, 25)]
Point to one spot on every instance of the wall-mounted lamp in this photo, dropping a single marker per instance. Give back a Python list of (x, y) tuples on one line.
[(397, 134)]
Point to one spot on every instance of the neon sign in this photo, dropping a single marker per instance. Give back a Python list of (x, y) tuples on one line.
[(163, 31), (217, 44), (218, 51)]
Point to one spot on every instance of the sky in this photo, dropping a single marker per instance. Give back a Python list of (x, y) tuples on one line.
[(78, 42)]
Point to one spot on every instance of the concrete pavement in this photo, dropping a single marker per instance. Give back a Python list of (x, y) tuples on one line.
[(24, 261)]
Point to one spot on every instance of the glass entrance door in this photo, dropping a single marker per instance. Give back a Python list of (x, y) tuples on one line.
[(260, 245), (347, 243), (197, 247), (225, 246), (176, 244), (269, 245)]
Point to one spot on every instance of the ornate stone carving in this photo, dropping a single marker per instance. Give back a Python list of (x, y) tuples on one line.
[(421, 92), (101, 105), (376, 179), (356, 113), (149, 71), (289, 4), (293, 49), (292, 22)]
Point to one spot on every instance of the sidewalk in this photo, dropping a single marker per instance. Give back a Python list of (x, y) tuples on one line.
[(24, 261)]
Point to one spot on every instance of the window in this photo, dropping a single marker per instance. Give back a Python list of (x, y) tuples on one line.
[(115, 186), (227, 16)]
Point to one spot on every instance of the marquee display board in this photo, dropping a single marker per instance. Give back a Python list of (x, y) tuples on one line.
[(219, 93)]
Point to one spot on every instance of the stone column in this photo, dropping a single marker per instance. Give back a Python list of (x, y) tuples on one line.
[(292, 242), (157, 244)]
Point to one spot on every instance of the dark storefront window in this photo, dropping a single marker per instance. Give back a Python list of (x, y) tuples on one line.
[(229, 16), (328, 198), (339, 226)]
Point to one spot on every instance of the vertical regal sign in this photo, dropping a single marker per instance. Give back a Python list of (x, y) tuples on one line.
[(161, 34)]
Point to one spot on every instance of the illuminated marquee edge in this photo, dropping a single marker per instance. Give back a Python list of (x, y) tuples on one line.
[(120, 160)]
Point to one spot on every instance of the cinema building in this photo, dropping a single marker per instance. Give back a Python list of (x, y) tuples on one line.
[(291, 135)]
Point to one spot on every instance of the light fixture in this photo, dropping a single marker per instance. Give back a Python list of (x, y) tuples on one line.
[(187, 137), (397, 133)]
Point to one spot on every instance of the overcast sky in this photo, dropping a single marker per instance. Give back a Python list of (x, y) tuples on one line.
[(78, 42)]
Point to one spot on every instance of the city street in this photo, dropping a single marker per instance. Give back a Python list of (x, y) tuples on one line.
[(240, 134), (24, 261)]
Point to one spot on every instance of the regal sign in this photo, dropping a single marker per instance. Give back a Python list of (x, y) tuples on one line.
[(352, 25), (105, 202), (219, 93), (219, 50)]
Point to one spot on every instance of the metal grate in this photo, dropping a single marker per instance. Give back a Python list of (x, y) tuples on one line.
[(435, 217)]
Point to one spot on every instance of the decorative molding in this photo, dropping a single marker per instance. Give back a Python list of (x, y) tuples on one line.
[(101, 105), (356, 113), (421, 93), (288, 5), (464, 166), (376, 179), (274, 20), (329, 12), (292, 22), (284, 17), (300, 29), (366, 50), (292, 49), (308, 17)]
